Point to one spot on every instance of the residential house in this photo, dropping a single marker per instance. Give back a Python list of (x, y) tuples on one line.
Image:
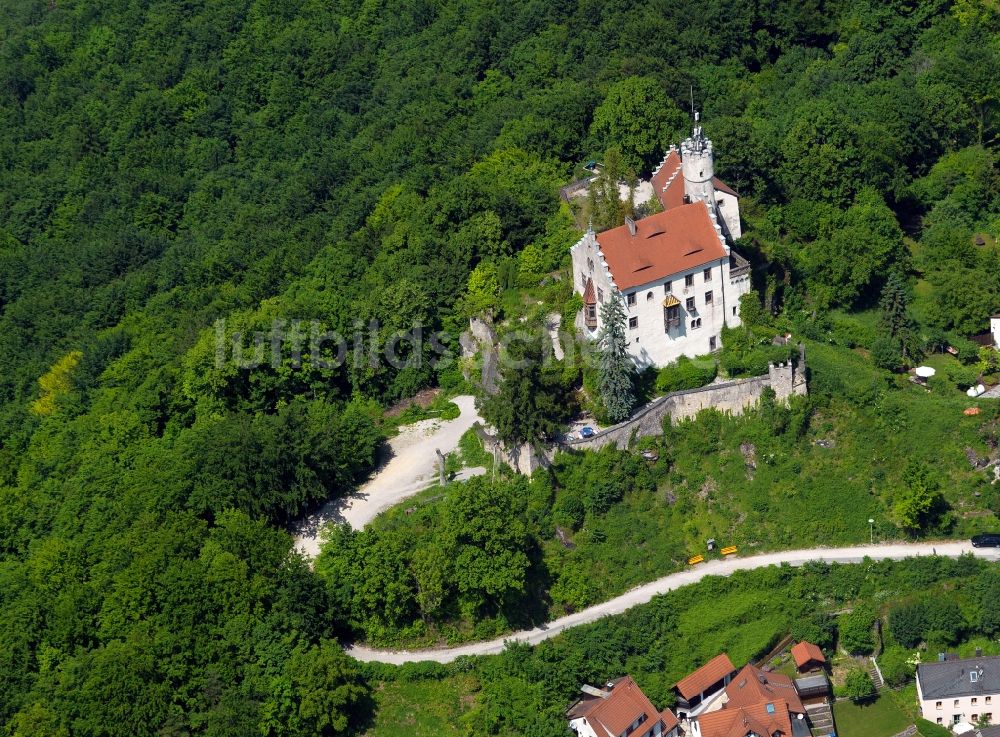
[(675, 272), (960, 690), (808, 657), (697, 690), (755, 703), (620, 709)]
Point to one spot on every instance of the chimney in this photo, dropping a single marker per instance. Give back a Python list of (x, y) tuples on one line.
[(631, 225)]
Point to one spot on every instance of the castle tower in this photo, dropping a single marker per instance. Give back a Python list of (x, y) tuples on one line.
[(698, 166)]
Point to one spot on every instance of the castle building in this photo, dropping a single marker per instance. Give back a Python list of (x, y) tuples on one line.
[(675, 272)]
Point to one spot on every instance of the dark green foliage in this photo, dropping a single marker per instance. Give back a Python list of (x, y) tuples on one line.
[(164, 165), (533, 401), (856, 631), (908, 623)]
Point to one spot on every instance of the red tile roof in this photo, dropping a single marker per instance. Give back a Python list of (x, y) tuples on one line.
[(742, 721), (671, 164), (804, 651), (712, 672), (667, 243), (752, 686), (624, 704), (588, 293)]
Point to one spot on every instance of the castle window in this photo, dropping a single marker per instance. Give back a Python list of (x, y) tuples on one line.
[(713, 343), (649, 295), (630, 298), (734, 310), (633, 323), (689, 280), (696, 323), (666, 287), (590, 264), (689, 304), (671, 317), (707, 273), (600, 296), (708, 297)]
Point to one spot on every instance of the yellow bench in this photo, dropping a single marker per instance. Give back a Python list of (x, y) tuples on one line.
[(695, 560), (728, 551)]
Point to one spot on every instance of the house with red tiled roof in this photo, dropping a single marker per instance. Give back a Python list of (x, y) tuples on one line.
[(696, 690), (755, 703), (620, 709), (675, 272), (808, 657)]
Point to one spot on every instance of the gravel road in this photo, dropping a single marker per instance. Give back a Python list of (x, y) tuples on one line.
[(644, 593), (412, 467)]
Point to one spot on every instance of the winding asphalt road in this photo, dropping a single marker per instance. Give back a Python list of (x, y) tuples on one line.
[(645, 593)]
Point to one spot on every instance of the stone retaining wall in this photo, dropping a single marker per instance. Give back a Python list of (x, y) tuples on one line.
[(733, 397)]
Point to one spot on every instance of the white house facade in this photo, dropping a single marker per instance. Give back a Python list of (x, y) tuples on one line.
[(953, 691), (675, 272)]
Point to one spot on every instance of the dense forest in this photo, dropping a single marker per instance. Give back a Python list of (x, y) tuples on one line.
[(174, 171)]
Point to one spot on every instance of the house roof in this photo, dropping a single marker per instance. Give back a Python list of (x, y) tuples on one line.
[(673, 195), (951, 678), (993, 731), (804, 651), (588, 293), (723, 187), (752, 686), (670, 242), (622, 704), (707, 675), (765, 719), (671, 191)]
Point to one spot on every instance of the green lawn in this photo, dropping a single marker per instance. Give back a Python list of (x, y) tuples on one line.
[(423, 708), (883, 718)]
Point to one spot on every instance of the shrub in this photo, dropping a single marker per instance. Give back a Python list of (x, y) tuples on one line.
[(856, 631), (895, 666), (686, 374), (858, 686), (907, 624)]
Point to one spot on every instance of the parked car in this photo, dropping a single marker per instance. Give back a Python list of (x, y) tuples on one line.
[(587, 432), (986, 540)]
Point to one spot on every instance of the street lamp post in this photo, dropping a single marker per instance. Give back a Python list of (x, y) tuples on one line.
[(871, 529)]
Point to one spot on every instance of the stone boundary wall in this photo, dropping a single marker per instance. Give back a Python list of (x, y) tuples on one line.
[(732, 396)]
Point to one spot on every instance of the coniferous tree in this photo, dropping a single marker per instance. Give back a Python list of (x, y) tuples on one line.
[(895, 334), (617, 372)]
